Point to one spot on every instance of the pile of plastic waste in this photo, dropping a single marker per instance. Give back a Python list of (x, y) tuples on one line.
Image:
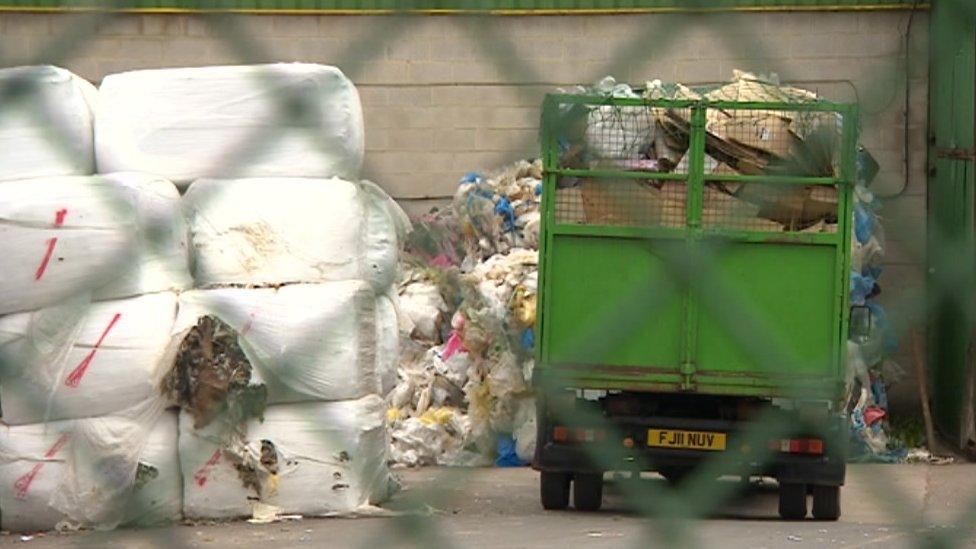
[(870, 370), (467, 299)]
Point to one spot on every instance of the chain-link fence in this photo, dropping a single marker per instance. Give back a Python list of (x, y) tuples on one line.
[(693, 305)]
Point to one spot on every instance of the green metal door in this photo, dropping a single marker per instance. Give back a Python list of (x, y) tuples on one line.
[(950, 217)]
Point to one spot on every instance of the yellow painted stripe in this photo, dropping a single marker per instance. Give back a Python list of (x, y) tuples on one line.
[(508, 12)]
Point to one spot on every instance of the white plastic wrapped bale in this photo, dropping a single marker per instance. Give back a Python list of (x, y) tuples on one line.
[(83, 359), (314, 458), (270, 231), (190, 123), (47, 129), (114, 236), (85, 471), (303, 341)]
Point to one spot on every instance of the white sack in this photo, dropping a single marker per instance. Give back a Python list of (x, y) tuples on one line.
[(47, 130), (304, 341), (115, 235), (271, 231), (81, 360), (331, 457), (82, 471), (189, 123)]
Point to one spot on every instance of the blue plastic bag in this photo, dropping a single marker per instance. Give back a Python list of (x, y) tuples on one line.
[(504, 209), (861, 287), (507, 457), (863, 223), (880, 319), (471, 177)]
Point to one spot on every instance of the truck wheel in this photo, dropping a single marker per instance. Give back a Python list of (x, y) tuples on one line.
[(588, 491), (554, 489), (826, 502), (792, 501)]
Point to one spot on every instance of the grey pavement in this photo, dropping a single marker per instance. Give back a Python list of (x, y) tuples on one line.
[(883, 506)]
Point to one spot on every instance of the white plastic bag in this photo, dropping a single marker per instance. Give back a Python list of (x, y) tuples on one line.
[(115, 236), (189, 123), (314, 458), (81, 360), (47, 130), (271, 231), (422, 303), (615, 132), (304, 341), (525, 429)]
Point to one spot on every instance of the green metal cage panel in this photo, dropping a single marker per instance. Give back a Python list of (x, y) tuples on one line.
[(646, 264)]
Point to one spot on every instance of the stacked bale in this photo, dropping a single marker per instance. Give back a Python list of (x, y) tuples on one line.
[(92, 264), (292, 323)]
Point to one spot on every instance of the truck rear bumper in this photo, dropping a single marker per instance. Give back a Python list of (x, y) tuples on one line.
[(826, 469)]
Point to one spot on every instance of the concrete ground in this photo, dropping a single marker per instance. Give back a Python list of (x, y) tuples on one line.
[(883, 506)]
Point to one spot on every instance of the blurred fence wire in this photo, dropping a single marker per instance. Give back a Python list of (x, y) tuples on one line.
[(670, 513)]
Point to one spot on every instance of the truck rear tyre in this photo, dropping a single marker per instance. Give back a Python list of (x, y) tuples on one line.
[(792, 501), (554, 489), (826, 502), (588, 491)]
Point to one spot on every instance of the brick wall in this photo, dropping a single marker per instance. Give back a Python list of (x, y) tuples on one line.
[(444, 95)]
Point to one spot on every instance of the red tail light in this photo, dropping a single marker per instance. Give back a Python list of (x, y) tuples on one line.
[(797, 445), (579, 434)]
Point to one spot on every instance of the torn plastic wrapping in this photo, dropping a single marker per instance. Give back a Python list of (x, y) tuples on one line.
[(82, 359), (80, 471), (315, 458), (303, 341), (112, 236), (46, 127), (261, 231), (187, 123)]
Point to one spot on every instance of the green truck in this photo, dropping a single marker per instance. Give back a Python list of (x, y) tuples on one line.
[(693, 294)]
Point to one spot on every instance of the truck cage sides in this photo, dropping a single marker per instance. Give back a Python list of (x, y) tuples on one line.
[(696, 245)]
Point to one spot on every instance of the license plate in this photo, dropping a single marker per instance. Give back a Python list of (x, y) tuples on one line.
[(689, 440)]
